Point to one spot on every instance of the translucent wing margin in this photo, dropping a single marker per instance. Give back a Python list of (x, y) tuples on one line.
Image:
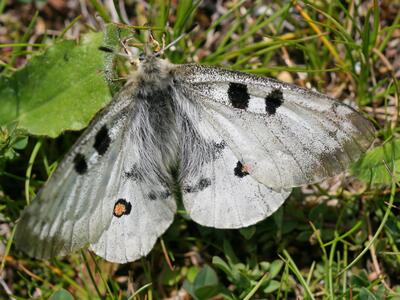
[(287, 136)]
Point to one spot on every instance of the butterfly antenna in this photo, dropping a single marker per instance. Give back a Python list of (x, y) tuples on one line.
[(127, 54), (110, 50)]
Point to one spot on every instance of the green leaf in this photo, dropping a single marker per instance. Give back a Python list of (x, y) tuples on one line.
[(372, 169), (222, 265), (275, 268), (61, 295), (207, 292), (229, 253), (272, 286), (265, 266), (360, 280), (205, 285), (192, 273), (206, 276), (59, 90), (189, 287), (365, 294)]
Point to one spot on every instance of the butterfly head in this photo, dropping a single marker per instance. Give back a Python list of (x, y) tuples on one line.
[(154, 69)]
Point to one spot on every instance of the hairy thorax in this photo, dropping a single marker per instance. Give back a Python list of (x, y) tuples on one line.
[(156, 116)]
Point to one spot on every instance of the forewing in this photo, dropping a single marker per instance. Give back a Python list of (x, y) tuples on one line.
[(76, 204), (287, 136)]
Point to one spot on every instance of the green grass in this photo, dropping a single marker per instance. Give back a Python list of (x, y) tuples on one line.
[(333, 240)]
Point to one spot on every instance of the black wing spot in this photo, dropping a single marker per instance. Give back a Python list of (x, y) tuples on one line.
[(134, 174), (273, 100), (80, 164), (217, 148), (201, 185), (152, 196), (122, 207), (102, 140), (238, 95), (161, 195), (239, 170), (165, 195), (189, 189)]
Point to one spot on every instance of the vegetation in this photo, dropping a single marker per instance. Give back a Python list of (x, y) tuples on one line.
[(337, 239)]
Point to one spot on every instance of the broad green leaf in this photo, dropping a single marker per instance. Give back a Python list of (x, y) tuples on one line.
[(373, 167), (59, 90), (61, 295)]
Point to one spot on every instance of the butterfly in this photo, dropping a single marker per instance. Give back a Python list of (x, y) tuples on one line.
[(230, 145)]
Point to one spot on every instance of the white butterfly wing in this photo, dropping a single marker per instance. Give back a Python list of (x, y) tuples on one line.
[(151, 212), (130, 237), (78, 204), (222, 199), (216, 189), (287, 136), (75, 205)]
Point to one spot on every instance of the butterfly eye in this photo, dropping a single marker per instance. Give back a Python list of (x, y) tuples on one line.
[(142, 57), (122, 207)]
